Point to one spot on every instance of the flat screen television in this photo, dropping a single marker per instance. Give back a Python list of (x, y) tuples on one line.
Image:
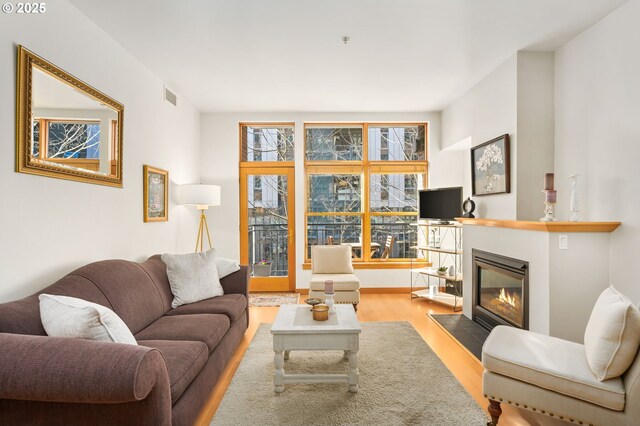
[(442, 204)]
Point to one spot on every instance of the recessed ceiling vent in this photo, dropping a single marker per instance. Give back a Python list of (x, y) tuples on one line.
[(170, 97)]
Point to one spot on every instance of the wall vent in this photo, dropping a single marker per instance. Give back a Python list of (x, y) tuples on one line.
[(170, 97)]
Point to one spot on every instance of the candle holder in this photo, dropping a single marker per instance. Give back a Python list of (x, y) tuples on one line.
[(328, 300), (549, 209), (550, 196)]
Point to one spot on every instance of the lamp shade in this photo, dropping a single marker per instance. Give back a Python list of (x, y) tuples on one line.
[(199, 195)]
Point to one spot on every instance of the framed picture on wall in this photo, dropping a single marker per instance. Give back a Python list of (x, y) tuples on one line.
[(156, 194), (490, 167)]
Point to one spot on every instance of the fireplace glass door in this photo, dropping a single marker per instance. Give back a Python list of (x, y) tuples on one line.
[(501, 293)]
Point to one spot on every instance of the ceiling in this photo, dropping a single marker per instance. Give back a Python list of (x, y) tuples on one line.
[(287, 55)]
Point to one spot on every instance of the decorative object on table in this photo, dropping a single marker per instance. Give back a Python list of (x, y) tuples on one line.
[(201, 196), (328, 287), (262, 268), (328, 293), (468, 207), (320, 312), (490, 167), (550, 198), (155, 194), (328, 300), (313, 302), (442, 270), (573, 203)]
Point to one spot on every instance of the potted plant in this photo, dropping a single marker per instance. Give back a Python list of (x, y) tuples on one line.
[(262, 268), (442, 270)]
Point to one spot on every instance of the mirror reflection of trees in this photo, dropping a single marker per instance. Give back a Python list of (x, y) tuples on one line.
[(67, 139)]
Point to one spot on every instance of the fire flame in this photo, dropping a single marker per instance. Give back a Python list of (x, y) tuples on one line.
[(507, 298)]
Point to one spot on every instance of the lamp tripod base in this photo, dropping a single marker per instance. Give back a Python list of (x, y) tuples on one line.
[(204, 227)]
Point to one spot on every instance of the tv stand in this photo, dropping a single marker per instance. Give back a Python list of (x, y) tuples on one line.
[(442, 245)]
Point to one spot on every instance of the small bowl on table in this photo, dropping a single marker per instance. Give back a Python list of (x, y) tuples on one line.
[(313, 302)]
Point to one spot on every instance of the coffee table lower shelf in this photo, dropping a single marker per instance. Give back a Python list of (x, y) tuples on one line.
[(444, 298)]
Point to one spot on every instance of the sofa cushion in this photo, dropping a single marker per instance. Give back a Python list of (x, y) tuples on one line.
[(207, 328), (184, 361), (131, 293), (550, 363), (612, 335), (193, 277), (341, 282), (64, 316), (331, 260), (231, 305)]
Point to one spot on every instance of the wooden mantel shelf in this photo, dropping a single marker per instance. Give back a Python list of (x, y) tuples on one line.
[(543, 226)]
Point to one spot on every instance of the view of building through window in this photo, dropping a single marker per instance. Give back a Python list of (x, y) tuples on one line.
[(361, 187), (367, 204), (267, 194)]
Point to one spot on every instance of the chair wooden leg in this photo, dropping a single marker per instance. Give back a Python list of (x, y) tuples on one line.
[(494, 411), (355, 307)]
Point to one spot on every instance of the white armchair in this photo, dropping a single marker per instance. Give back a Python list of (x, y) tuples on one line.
[(563, 379), (334, 263)]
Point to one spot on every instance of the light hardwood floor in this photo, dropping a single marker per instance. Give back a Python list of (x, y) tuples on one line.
[(384, 307)]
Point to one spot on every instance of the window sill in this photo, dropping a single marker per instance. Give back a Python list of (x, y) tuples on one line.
[(380, 265)]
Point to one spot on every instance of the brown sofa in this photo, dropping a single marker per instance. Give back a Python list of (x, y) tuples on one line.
[(163, 381)]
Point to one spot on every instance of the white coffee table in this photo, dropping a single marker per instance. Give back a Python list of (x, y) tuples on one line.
[(294, 329)]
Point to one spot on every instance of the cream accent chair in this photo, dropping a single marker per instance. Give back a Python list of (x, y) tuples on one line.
[(551, 376), (334, 263)]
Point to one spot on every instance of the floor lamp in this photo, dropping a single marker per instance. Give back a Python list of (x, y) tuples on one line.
[(201, 196)]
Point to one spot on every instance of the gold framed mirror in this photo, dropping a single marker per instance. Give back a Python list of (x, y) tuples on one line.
[(66, 129)]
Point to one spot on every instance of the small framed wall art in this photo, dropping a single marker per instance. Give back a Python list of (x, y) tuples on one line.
[(490, 167), (156, 194)]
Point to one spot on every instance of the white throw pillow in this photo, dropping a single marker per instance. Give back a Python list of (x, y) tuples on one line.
[(612, 336), (226, 266), (192, 277), (64, 316)]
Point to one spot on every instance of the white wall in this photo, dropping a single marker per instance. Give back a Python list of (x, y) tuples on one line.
[(597, 132), (48, 227), (219, 165), (535, 131), (486, 111)]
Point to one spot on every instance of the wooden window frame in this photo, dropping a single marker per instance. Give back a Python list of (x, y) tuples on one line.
[(364, 168)]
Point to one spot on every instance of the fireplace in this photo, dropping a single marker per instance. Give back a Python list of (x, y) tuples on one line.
[(500, 290)]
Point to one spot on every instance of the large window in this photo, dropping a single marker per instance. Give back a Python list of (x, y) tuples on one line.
[(362, 183)]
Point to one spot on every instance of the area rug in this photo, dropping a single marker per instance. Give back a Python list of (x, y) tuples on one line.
[(273, 299), (402, 382)]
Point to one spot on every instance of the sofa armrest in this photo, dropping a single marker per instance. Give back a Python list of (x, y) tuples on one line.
[(54, 369), (237, 282)]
